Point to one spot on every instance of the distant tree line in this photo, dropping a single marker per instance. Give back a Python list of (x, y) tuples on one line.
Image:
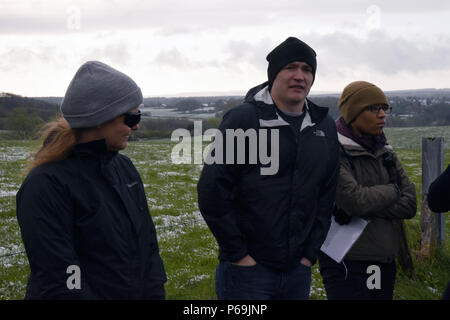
[(21, 117)]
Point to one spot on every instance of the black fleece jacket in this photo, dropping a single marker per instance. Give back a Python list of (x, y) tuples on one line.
[(277, 218), (89, 211)]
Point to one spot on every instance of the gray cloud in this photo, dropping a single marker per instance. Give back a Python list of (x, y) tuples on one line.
[(236, 54), (175, 59), (115, 53), (19, 58), (249, 53), (337, 53), (177, 16), (405, 42), (381, 53)]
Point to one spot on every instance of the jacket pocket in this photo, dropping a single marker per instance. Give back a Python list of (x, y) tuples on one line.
[(136, 205)]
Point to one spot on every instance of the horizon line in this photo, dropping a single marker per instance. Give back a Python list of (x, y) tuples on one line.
[(230, 93)]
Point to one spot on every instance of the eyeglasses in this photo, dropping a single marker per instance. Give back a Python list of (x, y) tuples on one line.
[(375, 108), (132, 118)]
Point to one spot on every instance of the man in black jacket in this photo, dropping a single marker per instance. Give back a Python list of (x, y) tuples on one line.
[(270, 224), (439, 201)]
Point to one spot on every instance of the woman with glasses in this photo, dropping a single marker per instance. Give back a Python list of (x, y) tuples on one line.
[(373, 186), (82, 209)]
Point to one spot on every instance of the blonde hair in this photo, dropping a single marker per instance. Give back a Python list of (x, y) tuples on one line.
[(58, 141)]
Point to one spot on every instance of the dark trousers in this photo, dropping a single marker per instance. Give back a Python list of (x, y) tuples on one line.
[(357, 280), (260, 283)]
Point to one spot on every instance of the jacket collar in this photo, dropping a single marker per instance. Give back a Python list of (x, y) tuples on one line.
[(352, 146), (347, 141), (97, 149), (269, 116)]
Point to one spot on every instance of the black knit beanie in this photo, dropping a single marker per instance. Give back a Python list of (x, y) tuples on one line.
[(292, 49)]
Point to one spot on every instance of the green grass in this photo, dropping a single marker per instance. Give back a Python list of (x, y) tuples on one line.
[(187, 246), (411, 138), (14, 268), (431, 275)]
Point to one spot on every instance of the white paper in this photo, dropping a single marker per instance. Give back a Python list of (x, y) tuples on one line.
[(340, 238)]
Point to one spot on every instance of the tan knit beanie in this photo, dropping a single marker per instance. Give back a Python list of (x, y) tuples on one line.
[(358, 95)]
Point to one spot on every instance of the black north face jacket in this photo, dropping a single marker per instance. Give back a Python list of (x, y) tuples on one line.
[(89, 211), (278, 218)]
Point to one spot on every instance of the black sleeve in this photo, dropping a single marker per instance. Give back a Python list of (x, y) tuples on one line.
[(325, 202), (44, 213), (215, 199), (439, 193)]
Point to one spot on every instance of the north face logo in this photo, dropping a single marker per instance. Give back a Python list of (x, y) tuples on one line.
[(319, 133)]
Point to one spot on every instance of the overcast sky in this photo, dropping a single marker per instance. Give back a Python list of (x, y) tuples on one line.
[(174, 47)]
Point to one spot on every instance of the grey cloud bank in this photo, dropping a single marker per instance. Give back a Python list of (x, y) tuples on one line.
[(199, 45), (176, 16), (381, 52)]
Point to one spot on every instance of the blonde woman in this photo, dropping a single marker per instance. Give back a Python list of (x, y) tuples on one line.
[(82, 209)]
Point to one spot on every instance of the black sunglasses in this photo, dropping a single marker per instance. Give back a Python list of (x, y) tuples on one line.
[(132, 118), (377, 107)]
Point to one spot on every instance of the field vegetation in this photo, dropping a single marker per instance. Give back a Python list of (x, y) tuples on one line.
[(187, 246)]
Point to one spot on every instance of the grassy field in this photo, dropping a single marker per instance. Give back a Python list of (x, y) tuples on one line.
[(187, 246)]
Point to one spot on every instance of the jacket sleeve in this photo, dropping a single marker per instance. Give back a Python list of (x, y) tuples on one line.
[(439, 193), (325, 204), (358, 200), (406, 206), (44, 212), (215, 197)]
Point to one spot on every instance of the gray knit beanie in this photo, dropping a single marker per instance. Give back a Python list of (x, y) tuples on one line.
[(97, 94)]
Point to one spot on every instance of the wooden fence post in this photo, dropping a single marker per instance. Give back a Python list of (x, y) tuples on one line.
[(432, 224)]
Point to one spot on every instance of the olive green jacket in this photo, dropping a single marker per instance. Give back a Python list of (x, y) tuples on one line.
[(365, 191)]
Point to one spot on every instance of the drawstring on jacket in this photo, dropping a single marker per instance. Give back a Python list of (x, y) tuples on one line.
[(346, 271)]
